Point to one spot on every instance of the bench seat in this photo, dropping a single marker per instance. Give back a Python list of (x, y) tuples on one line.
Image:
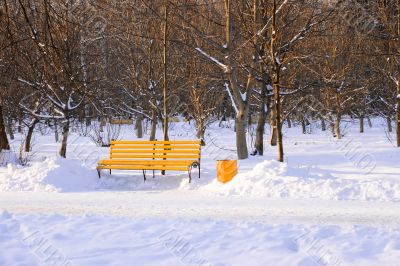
[(153, 155)]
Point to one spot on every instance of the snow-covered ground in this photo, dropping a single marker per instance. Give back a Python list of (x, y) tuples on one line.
[(331, 203)]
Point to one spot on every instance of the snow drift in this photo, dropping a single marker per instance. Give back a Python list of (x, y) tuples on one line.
[(52, 174), (278, 180)]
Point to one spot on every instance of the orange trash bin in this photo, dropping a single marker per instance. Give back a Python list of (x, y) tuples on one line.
[(226, 170)]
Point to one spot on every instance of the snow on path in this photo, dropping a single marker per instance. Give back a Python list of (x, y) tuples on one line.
[(193, 204), (32, 239)]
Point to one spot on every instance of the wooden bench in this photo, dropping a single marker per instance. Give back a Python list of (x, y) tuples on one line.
[(153, 155)]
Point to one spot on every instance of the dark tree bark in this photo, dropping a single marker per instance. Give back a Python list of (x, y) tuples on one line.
[(361, 118), (338, 133), (64, 140), (398, 115), (398, 84), (4, 144), (369, 121), (276, 85), (9, 128), (56, 136), (289, 122), (272, 122), (323, 124), (28, 139), (259, 143), (389, 122), (303, 125), (139, 126), (153, 125), (165, 83)]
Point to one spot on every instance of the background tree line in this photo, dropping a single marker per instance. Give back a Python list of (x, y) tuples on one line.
[(63, 61)]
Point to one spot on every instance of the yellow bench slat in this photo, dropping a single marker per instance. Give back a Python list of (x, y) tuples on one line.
[(156, 156), (143, 167), (152, 155), (155, 142), (157, 151), (151, 146), (140, 162)]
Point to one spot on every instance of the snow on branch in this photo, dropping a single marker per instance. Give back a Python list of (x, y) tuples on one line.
[(214, 60), (265, 28), (231, 97), (298, 37), (70, 101), (134, 111)]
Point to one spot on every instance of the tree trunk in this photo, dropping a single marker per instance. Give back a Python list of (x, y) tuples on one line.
[(369, 121), (165, 82), (338, 115), (64, 141), (4, 144), (153, 126), (337, 125), (20, 124), (398, 116), (56, 137), (289, 122), (361, 123), (389, 122), (10, 128), (139, 126), (273, 137), (28, 139), (200, 129), (88, 119), (303, 125), (331, 125), (242, 104), (259, 143), (276, 84), (323, 124), (241, 143)]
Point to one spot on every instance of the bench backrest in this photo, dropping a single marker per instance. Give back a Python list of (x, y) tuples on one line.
[(156, 150)]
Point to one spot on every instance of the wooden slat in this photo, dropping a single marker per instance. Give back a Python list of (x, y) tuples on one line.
[(156, 156), (141, 162), (151, 146), (143, 167), (157, 151), (155, 142)]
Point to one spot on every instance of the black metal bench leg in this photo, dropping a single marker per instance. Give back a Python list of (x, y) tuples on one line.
[(154, 174), (144, 175), (190, 174), (110, 171), (199, 171), (98, 172)]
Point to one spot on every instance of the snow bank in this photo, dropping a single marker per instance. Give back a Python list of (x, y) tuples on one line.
[(278, 180), (99, 240), (7, 157), (53, 174)]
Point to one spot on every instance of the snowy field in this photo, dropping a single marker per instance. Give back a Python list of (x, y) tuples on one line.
[(331, 203)]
